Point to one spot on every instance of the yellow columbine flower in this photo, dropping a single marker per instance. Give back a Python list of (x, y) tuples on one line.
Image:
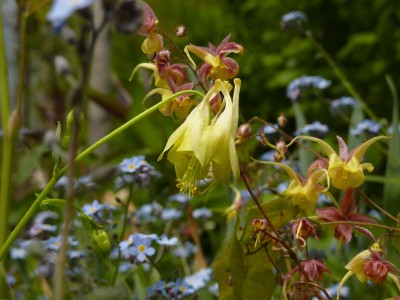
[(204, 143), (346, 170)]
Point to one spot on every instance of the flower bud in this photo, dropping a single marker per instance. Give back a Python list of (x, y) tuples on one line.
[(180, 31), (101, 243), (243, 132), (281, 150), (282, 121)]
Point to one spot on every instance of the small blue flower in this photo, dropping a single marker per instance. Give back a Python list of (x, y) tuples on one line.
[(367, 126), (201, 213), (92, 208), (316, 129), (342, 105), (293, 18), (62, 9), (141, 248), (171, 214), (165, 241), (294, 89), (133, 164), (54, 243)]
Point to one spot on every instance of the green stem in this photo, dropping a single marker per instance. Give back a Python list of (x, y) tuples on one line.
[(339, 73), (8, 145), (32, 210), (122, 234), (133, 121)]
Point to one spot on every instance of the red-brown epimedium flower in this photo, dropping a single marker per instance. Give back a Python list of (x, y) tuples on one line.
[(345, 212)]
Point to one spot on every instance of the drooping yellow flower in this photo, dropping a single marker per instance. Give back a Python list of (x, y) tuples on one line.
[(346, 170), (204, 143)]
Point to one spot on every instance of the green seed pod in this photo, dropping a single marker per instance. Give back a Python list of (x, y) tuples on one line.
[(101, 243)]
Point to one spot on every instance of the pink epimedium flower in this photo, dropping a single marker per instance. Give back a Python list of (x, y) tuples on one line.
[(165, 74), (301, 230), (346, 170), (153, 41), (216, 63), (370, 265), (345, 212)]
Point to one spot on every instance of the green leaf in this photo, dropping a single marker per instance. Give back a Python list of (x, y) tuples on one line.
[(305, 156), (391, 191), (357, 116), (230, 270), (260, 282)]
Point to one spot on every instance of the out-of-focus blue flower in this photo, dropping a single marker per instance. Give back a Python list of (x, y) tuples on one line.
[(38, 228), (186, 250), (158, 287), (268, 156), (137, 170), (76, 254), (367, 126), (54, 243), (294, 89), (170, 214), (10, 280), (182, 288), (180, 198), (293, 18), (390, 129), (165, 241), (81, 182), (62, 9), (342, 104), (316, 129), (18, 253), (149, 212), (124, 267), (199, 279), (202, 212), (214, 289)]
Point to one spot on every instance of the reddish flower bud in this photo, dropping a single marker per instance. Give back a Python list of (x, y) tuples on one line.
[(375, 268), (243, 132)]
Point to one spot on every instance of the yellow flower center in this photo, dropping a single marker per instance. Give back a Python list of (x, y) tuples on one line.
[(142, 248), (132, 166), (191, 178)]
